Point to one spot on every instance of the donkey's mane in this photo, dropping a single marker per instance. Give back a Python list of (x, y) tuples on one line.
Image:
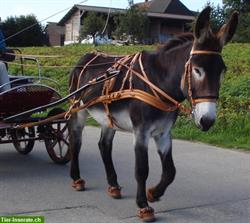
[(176, 42)]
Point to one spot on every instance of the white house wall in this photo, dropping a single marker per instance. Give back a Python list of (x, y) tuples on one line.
[(72, 28)]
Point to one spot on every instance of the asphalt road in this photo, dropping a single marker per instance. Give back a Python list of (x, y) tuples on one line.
[(212, 184)]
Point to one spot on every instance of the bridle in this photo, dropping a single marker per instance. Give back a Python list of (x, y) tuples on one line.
[(187, 78)]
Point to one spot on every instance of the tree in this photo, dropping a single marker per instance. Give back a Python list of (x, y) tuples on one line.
[(243, 7), (217, 17), (93, 24), (239, 5), (134, 23), (33, 36)]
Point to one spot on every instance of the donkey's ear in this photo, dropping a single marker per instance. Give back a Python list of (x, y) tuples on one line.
[(227, 31), (202, 27)]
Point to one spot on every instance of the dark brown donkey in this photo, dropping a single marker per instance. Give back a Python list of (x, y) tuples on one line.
[(198, 81)]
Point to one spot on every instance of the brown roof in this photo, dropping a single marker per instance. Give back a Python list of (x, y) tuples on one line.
[(166, 6), (159, 6), (155, 8)]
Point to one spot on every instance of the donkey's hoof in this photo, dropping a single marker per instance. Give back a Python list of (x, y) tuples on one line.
[(79, 185), (115, 192), (146, 214), (150, 195)]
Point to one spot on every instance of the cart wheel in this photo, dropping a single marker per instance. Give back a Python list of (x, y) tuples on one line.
[(26, 145), (57, 140)]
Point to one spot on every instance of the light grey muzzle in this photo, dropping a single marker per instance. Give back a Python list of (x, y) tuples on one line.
[(204, 115)]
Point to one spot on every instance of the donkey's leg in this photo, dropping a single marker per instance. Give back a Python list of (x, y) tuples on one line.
[(164, 145), (76, 124), (105, 146), (145, 212)]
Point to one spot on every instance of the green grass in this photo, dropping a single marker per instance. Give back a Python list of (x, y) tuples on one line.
[(232, 128), (232, 134)]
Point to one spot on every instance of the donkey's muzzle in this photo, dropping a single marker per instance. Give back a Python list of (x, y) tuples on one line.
[(204, 114), (206, 123)]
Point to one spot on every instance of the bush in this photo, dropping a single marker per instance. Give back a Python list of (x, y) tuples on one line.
[(33, 36)]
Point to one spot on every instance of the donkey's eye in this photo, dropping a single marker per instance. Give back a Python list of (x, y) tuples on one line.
[(198, 73)]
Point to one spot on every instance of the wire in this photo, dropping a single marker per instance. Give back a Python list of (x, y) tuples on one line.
[(107, 20), (27, 28)]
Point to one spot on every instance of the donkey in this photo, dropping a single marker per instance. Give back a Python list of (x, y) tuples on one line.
[(165, 68)]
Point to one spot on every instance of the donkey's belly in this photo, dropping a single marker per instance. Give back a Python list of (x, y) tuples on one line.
[(120, 119)]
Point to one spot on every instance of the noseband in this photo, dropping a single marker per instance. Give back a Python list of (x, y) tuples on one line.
[(187, 76)]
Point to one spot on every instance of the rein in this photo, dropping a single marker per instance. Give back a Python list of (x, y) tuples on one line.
[(154, 99)]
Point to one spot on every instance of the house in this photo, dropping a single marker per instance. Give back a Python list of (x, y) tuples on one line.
[(55, 34), (72, 21), (167, 18)]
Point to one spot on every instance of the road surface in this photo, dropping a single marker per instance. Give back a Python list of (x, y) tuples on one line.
[(212, 184)]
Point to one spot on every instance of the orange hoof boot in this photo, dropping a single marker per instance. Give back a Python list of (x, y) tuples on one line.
[(150, 196), (146, 214), (114, 192), (79, 185)]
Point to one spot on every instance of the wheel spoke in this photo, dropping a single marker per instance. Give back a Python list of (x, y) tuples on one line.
[(64, 128), (57, 144), (65, 142), (58, 127), (60, 149)]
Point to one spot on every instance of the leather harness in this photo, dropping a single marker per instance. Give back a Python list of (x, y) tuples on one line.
[(153, 99)]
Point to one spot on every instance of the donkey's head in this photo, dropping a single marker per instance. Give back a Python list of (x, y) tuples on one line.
[(206, 67)]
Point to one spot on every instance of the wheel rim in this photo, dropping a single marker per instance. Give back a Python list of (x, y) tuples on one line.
[(25, 134), (57, 143)]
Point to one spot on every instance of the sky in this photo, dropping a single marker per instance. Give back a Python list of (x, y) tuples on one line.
[(43, 9)]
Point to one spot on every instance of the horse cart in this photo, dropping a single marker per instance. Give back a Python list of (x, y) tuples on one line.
[(27, 93)]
